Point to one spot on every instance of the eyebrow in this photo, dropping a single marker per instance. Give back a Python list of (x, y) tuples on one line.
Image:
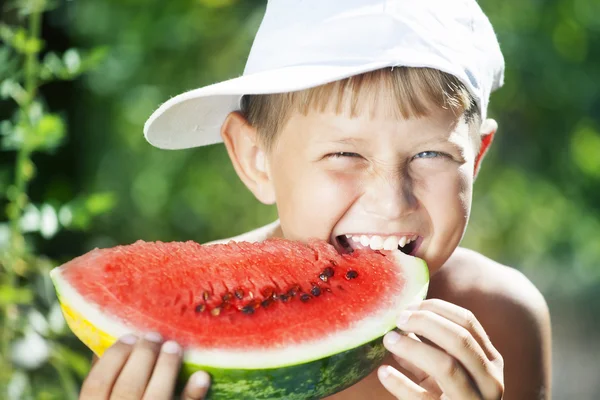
[(348, 140), (342, 140)]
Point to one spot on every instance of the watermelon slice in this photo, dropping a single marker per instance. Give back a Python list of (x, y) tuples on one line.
[(271, 320)]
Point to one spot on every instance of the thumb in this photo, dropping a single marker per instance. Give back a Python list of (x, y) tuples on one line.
[(196, 387)]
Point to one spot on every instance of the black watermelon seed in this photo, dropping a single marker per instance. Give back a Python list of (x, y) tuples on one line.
[(239, 293), (200, 308), (315, 291), (205, 295), (351, 274), (294, 290), (266, 303), (227, 296), (328, 272), (304, 297), (284, 298), (216, 311), (247, 309)]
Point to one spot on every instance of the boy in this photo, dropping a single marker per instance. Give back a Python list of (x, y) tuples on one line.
[(364, 121)]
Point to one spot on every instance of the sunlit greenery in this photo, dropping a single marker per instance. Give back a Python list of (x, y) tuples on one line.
[(76, 172)]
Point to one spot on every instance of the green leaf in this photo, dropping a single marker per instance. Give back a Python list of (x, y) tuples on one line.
[(27, 7), (52, 67), (585, 148), (49, 133), (48, 221), (14, 140), (72, 61), (92, 58), (8, 64), (78, 213), (6, 128), (7, 33), (23, 43), (99, 203), (13, 295), (10, 88), (30, 220)]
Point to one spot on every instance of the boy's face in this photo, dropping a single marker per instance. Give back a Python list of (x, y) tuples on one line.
[(373, 175)]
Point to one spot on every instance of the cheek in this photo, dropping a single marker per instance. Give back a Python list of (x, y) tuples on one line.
[(447, 199), (310, 200)]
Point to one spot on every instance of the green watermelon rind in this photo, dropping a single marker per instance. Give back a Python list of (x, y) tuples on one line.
[(312, 380)]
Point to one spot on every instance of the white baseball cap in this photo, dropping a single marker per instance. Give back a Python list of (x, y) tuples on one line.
[(306, 43)]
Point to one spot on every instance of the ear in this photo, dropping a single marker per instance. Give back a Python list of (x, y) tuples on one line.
[(248, 156), (487, 131)]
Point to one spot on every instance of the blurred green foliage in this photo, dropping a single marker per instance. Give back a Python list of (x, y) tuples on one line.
[(36, 350), (536, 207)]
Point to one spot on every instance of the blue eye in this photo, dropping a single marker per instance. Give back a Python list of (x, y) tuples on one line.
[(429, 154)]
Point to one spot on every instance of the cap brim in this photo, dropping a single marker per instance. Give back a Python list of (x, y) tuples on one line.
[(194, 118)]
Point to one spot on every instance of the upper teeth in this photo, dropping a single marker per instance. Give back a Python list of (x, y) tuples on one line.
[(377, 242)]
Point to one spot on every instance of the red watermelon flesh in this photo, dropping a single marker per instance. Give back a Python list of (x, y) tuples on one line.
[(229, 296)]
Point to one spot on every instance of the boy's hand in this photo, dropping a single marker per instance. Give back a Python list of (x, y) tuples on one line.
[(141, 368), (455, 361)]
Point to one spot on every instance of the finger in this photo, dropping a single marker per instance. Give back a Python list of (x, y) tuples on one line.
[(410, 370), (196, 387), (445, 369), (132, 382), (418, 376), (456, 341), (464, 318), (164, 376), (105, 370), (399, 385)]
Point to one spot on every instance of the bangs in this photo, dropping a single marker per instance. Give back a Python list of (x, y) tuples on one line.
[(400, 92)]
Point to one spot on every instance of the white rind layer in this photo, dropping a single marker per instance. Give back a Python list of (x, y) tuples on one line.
[(364, 331)]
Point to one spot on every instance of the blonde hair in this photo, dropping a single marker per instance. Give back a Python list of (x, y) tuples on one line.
[(414, 93)]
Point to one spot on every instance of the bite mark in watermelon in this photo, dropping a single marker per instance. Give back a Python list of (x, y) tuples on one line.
[(270, 320)]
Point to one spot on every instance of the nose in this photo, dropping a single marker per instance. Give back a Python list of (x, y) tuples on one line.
[(389, 196)]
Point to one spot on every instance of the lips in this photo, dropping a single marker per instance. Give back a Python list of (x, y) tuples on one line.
[(407, 243)]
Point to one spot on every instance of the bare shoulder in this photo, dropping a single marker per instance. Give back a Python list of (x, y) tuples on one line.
[(470, 276), (512, 311)]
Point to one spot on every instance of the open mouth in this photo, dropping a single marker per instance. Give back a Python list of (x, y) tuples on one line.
[(408, 244)]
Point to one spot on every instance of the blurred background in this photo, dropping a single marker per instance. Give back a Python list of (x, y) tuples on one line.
[(93, 181)]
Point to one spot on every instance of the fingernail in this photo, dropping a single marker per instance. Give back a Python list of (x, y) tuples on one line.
[(171, 347), (403, 318), (153, 337), (391, 338), (413, 306), (129, 339), (200, 379), (385, 371)]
